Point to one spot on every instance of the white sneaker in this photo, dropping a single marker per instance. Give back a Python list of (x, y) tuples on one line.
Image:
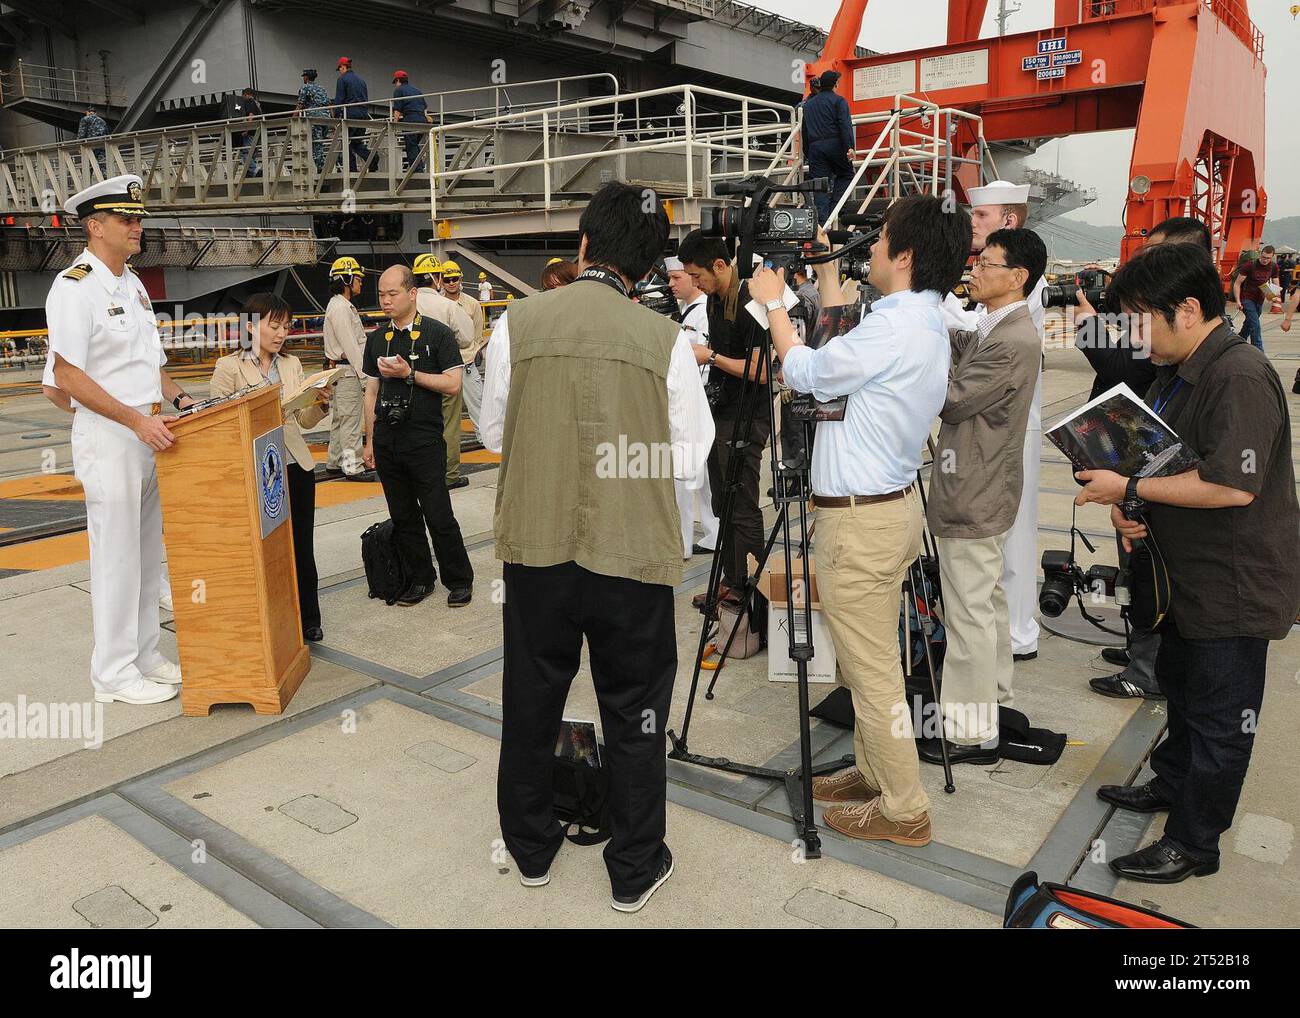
[(139, 691), (166, 672), (541, 881)]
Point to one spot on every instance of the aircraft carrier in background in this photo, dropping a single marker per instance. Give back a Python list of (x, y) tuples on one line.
[(536, 86)]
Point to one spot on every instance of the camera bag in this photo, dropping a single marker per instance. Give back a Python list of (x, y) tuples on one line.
[(384, 573), (1042, 906), (581, 797)]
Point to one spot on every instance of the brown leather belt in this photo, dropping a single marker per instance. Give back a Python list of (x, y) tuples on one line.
[(846, 501)]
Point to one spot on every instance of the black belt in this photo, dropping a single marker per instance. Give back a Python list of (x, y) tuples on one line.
[(847, 501)]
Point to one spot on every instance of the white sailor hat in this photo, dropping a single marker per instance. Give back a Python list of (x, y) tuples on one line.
[(121, 195), (674, 264), (999, 192)]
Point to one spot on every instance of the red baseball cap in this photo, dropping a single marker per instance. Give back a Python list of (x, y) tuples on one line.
[(343, 60), (401, 74)]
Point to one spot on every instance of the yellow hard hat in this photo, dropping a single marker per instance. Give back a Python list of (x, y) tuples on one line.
[(555, 261), (344, 268), (482, 276), (450, 269), (427, 265)]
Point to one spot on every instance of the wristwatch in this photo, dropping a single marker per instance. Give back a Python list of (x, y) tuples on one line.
[(713, 357), (775, 305), (1131, 491)]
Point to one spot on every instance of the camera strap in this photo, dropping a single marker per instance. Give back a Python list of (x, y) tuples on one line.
[(600, 275)]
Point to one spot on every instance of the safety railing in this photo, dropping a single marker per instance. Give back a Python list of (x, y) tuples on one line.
[(914, 134), (1232, 13), (61, 84), (685, 148)]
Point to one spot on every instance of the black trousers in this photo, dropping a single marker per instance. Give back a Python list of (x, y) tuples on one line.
[(412, 470), (745, 536), (302, 517), (632, 643), (1215, 688)]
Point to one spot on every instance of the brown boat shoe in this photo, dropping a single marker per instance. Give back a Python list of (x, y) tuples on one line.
[(865, 822), (847, 785)]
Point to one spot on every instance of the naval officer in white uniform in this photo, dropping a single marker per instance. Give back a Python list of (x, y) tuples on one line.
[(109, 359), (1002, 205)]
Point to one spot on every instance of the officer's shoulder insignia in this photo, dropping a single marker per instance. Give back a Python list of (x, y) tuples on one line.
[(80, 271)]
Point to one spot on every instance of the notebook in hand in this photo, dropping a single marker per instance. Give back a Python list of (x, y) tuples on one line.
[(1117, 431)]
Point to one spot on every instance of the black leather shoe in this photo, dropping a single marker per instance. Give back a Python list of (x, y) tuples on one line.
[(366, 476), (1032, 655), (1137, 798), (459, 482), (458, 597), (1117, 656), (414, 594), (1120, 688), (699, 549), (1161, 863), (313, 634), (986, 753)]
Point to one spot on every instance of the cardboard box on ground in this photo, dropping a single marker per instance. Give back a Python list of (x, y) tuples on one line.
[(771, 584)]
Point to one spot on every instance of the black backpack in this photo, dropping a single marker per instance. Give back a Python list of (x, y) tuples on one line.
[(384, 572)]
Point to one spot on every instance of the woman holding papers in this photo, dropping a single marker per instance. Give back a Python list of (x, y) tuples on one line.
[(266, 320)]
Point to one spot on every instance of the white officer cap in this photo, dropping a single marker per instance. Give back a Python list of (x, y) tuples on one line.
[(121, 195), (999, 192), (674, 265)]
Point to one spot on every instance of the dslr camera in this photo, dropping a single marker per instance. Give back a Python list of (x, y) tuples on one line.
[(1064, 578), (394, 409)]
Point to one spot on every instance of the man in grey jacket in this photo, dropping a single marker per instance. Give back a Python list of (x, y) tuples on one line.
[(975, 488)]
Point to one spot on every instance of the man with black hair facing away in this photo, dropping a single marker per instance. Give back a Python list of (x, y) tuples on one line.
[(975, 488), (1229, 532), (893, 367), (578, 374), (732, 355), (1116, 361), (412, 362)]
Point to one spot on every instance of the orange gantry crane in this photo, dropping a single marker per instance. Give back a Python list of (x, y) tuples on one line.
[(1187, 76)]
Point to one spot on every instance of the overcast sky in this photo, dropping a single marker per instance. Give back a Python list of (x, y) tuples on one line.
[(1097, 160)]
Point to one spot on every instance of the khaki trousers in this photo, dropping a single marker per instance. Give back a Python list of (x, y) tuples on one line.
[(862, 553), (346, 411), (977, 666), (452, 407)]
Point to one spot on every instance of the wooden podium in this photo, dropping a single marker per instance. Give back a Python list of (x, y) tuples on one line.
[(225, 505)]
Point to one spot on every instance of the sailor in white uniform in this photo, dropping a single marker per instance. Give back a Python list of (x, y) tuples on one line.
[(997, 206), (107, 356)]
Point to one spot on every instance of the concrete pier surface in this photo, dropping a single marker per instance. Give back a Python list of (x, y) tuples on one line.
[(371, 801)]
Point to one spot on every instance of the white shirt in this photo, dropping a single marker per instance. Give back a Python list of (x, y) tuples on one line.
[(485, 290), (105, 325), (690, 422), (990, 320), (893, 366), (345, 336), (695, 320)]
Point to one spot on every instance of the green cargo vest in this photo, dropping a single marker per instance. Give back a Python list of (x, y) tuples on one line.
[(586, 463)]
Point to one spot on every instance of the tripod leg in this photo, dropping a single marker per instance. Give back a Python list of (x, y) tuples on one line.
[(926, 627)]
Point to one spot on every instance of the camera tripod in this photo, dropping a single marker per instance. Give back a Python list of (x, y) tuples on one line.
[(791, 485)]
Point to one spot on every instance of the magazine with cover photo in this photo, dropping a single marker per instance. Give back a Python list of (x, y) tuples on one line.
[(577, 742), (1117, 431)]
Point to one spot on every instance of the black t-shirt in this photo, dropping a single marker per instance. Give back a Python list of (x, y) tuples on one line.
[(732, 338), (428, 346), (1235, 571)]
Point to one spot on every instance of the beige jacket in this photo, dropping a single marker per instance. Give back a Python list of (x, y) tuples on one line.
[(233, 373), (430, 303), (978, 467), (474, 309)]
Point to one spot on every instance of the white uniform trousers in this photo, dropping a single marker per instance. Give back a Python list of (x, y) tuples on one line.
[(1020, 556), (124, 522), (471, 389), (693, 505)]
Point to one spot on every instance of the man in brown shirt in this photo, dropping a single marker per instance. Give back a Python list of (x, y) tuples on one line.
[(1247, 291), (1229, 533)]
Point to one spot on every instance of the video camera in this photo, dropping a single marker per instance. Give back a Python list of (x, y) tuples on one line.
[(785, 236), (655, 293)]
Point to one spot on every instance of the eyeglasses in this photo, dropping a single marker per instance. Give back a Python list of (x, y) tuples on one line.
[(980, 263)]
